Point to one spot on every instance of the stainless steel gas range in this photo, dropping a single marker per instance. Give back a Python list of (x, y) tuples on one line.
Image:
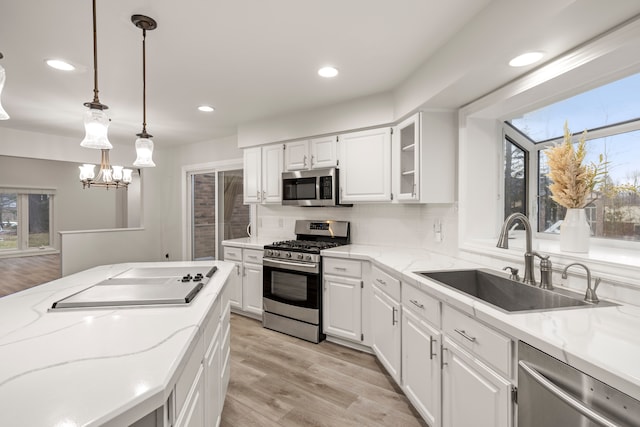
[(292, 278)]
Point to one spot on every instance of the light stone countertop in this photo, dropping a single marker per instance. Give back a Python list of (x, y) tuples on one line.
[(603, 341), (94, 367), (248, 242)]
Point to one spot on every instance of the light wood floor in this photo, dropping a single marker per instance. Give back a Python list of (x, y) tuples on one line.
[(21, 273), (277, 380)]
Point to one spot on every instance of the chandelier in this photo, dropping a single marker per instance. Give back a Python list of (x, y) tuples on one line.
[(144, 144), (3, 76), (96, 123)]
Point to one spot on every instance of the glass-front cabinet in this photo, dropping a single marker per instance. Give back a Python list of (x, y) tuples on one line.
[(406, 142)]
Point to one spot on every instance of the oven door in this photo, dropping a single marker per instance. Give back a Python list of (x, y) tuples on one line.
[(292, 283)]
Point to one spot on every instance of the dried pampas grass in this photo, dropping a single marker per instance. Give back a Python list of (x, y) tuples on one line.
[(573, 182)]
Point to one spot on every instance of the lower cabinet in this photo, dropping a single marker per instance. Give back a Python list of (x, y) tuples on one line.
[(472, 393), (421, 372), (342, 307), (385, 327), (245, 281), (192, 414)]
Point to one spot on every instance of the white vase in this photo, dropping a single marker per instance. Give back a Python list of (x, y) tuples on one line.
[(575, 232)]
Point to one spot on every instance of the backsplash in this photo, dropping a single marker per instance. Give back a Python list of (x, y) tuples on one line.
[(395, 225)]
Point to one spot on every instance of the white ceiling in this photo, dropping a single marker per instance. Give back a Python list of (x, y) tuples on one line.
[(253, 59)]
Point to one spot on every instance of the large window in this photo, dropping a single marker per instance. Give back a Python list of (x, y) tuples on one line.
[(515, 178), (25, 218), (611, 116)]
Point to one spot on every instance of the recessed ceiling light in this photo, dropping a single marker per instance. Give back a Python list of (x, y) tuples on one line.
[(526, 59), (59, 64), (328, 72), (206, 108)]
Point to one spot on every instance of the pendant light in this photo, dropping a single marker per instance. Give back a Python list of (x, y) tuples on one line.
[(3, 76), (108, 176), (144, 144), (96, 120)]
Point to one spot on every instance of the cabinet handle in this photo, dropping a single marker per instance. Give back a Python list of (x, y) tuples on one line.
[(238, 269), (431, 353), (442, 362), (382, 282), (465, 335), (244, 271), (252, 256), (312, 161), (413, 194), (393, 316), (416, 303), (258, 195), (340, 268), (304, 161), (263, 198)]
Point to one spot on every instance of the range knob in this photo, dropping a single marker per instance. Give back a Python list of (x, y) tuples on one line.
[(287, 254), (300, 256), (308, 257), (276, 253), (268, 252)]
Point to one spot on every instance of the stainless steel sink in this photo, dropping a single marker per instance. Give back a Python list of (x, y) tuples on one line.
[(506, 294)]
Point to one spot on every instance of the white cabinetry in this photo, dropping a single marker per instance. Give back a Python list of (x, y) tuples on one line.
[(245, 281), (365, 168), (342, 299), (473, 390), (472, 394), (424, 147), (263, 173), (385, 321), (311, 154), (421, 340)]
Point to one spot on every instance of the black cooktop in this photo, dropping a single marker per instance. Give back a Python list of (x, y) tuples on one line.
[(309, 246)]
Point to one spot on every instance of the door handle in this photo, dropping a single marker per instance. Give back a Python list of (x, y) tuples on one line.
[(393, 316), (304, 161), (311, 161), (566, 397), (431, 353)]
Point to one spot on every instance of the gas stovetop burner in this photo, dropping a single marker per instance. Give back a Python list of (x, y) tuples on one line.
[(303, 245), (312, 237)]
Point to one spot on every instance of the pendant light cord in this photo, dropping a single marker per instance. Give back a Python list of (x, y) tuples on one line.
[(95, 57), (144, 81)]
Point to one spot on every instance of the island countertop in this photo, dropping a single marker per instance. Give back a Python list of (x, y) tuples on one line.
[(90, 367)]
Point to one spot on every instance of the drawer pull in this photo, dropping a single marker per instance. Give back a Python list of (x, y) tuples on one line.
[(252, 256), (431, 353), (340, 268), (465, 335), (382, 282), (416, 303), (238, 269), (231, 253), (393, 316)]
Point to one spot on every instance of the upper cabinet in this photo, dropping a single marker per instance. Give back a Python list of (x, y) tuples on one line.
[(365, 166), (311, 154), (263, 174), (424, 147)]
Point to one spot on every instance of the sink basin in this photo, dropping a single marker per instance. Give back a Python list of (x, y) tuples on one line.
[(507, 294)]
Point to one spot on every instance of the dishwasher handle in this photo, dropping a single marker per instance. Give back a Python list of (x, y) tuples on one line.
[(566, 397)]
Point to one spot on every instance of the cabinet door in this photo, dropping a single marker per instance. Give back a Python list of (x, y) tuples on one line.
[(192, 414), (472, 394), (272, 163), (212, 360), (342, 307), (365, 168), (252, 289), (252, 175), (296, 155), (406, 159), (324, 152), (235, 285), (385, 328), (421, 366)]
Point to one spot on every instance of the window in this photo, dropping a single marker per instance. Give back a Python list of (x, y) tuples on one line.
[(25, 218), (515, 173), (611, 116)]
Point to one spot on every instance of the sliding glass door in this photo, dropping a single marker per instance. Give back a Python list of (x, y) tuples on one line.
[(217, 212)]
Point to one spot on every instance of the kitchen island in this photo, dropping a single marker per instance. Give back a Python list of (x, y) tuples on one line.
[(114, 366)]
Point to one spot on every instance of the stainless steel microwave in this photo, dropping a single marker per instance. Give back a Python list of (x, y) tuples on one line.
[(317, 187)]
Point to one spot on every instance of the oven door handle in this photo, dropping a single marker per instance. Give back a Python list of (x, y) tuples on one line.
[(295, 266), (566, 397)]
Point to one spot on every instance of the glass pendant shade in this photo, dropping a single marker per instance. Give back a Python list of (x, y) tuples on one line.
[(117, 173), (96, 123), (87, 172), (3, 113), (144, 153), (126, 175)]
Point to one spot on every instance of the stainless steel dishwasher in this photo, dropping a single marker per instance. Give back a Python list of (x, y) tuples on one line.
[(552, 393)]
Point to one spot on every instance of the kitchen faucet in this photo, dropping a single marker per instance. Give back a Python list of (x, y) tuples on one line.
[(545, 263), (590, 295)]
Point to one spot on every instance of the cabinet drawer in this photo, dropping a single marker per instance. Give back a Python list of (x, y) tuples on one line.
[(212, 323), (342, 267), (481, 340), (422, 304), (232, 253), (386, 283), (188, 375), (252, 256)]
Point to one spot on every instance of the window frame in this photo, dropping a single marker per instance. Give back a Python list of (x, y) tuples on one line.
[(22, 206)]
